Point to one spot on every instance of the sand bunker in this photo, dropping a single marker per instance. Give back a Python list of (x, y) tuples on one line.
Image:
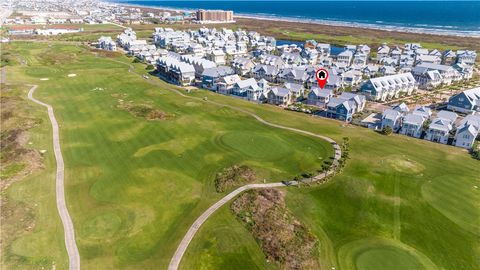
[(72, 75), (44, 79)]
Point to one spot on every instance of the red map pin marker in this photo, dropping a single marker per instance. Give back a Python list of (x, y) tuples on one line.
[(321, 75)]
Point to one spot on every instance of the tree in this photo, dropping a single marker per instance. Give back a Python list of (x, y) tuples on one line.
[(150, 67), (387, 130)]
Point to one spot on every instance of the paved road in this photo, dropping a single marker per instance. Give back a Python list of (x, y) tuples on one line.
[(72, 250), (182, 247)]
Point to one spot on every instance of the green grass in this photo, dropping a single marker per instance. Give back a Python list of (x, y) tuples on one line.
[(134, 186), (31, 230)]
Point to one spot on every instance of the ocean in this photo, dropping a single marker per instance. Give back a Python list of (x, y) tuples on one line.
[(446, 17)]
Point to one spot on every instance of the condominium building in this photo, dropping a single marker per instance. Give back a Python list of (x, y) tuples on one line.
[(214, 15)]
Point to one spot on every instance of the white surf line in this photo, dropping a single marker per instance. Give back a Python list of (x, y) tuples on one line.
[(72, 250)]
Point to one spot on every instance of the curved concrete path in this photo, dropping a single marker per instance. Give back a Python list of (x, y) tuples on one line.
[(72, 250)]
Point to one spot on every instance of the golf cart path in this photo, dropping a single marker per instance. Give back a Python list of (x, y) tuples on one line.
[(182, 247), (71, 246)]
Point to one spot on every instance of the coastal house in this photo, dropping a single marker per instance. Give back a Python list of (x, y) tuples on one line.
[(440, 127), (391, 118), (412, 125), (216, 56), (106, 43), (271, 60), (242, 65), (279, 96), (225, 84), (247, 89), (388, 87), (294, 75), (319, 97), (341, 109), (449, 57), (345, 57), (426, 78), (345, 106), (427, 59), (200, 64), (211, 75), (383, 51), (323, 50), (402, 108), (467, 101), (423, 111), (468, 130), (297, 90), (267, 72), (466, 56)]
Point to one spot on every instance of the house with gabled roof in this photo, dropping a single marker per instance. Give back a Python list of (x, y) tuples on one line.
[(225, 84), (438, 131), (412, 125), (296, 89), (319, 97), (466, 56), (467, 101), (383, 51), (345, 57), (248, 89), (267, 72), (391, 118), (341, 109), (279, 96), (402, 108), (243, 65), (468, 130), (211, 75)]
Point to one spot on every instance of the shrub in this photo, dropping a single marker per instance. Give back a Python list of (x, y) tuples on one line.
[(387, 131)]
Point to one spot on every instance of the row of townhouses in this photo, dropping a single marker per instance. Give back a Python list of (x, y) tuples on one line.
[(445, 127)]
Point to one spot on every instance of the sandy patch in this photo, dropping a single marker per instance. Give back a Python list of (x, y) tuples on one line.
[(44, 79), (72, 75)]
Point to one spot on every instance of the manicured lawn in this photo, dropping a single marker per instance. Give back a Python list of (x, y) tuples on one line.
[(134, 186)]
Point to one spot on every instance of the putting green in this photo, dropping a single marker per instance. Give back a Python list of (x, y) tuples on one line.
[(256, 145), (380, 254)]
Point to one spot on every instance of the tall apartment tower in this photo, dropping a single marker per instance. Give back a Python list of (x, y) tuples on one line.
[(215, 15)]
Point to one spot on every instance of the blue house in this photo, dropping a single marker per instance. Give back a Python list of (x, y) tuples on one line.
[(341, 109), (467, 101)]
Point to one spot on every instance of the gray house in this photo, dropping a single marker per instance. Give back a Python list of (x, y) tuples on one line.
[(391, 118), (319, 97), (412, 125), (467, 131), (439, 129)]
